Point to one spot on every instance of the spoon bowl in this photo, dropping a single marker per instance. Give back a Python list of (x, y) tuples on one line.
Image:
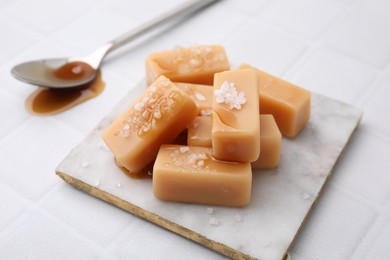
[(54, 73), (61, 73)]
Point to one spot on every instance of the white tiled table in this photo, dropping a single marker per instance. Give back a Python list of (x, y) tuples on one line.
[(337, 48)]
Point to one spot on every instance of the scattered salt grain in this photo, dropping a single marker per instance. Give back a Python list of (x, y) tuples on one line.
[(200, 97), (85, 164), (210, 210), (306, 196), (238, 217), (97, 183), (205, 112), (119, 185), (213, 221), (184, 149)]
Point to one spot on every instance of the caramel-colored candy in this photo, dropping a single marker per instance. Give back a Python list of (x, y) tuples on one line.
[(288, 103), (199, 134), (195, 64), (158, 116), (235, 128), (201, 94), (270, 142), (190, 174)]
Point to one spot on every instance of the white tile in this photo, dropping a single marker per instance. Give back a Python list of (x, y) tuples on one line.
[(30, 155), (11, 122), (11, 207), (36, 236), (214, 25), (95, 219), (249, 6), (45, 16), (20, 37), (306, 18), (334, 228), (143, 10), (363, 36), (264, 47), (368, 178), (380, 249), (135, 243), (378, 7), (334, 75), (376, 106), (84, 36)]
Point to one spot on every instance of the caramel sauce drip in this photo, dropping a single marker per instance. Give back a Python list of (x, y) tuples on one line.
[(46, 101)]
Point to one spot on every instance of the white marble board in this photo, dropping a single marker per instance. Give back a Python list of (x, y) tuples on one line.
[(281, 197)]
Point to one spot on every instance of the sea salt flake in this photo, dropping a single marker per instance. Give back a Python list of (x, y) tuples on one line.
[(119, 185), (85, 164), (184, 149), (210, 210), (205, 112), (238, 217), (200, 97), (213, 221), (229, 95), (139, 106), (306, 196)]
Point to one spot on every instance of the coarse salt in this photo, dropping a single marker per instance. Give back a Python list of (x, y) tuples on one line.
[(229, 95)]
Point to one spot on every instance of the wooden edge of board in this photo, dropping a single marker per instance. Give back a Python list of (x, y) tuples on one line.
[(160, 221)]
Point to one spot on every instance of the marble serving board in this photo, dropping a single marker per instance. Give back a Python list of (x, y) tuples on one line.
[(281, 197)]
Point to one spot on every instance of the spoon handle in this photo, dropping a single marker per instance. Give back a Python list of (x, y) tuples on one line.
[(182, 10)]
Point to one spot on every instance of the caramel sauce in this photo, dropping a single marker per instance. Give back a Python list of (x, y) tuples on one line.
[(45, 101), (73, 71)]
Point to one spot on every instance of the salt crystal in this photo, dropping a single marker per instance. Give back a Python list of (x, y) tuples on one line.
[(152, 89), (194, 62), (200, 163), (157, 114), (77, 70), (205, 112), (238, 217), (119, 185), (125, 132), (139, 106), (164, 83), (306, 196), (229, 95), (214, 221), (84, 164), (200, 97), (184, 149), (97, 183), (210, 210)]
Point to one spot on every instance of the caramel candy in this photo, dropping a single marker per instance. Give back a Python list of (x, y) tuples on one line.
[(156, 117), (190, 174), (270, 142), (193, 65), (199, 134), (235, 131), (288, 103), (201, 94)]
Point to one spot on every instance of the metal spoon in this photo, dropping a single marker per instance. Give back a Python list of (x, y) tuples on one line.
[(40, 72)]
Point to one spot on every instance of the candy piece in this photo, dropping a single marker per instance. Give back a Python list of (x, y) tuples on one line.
[(156, 117), (194, 65), (190, 174), (235, 131), (199, 134), (270, 142), (288, 103), (201, 94)]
